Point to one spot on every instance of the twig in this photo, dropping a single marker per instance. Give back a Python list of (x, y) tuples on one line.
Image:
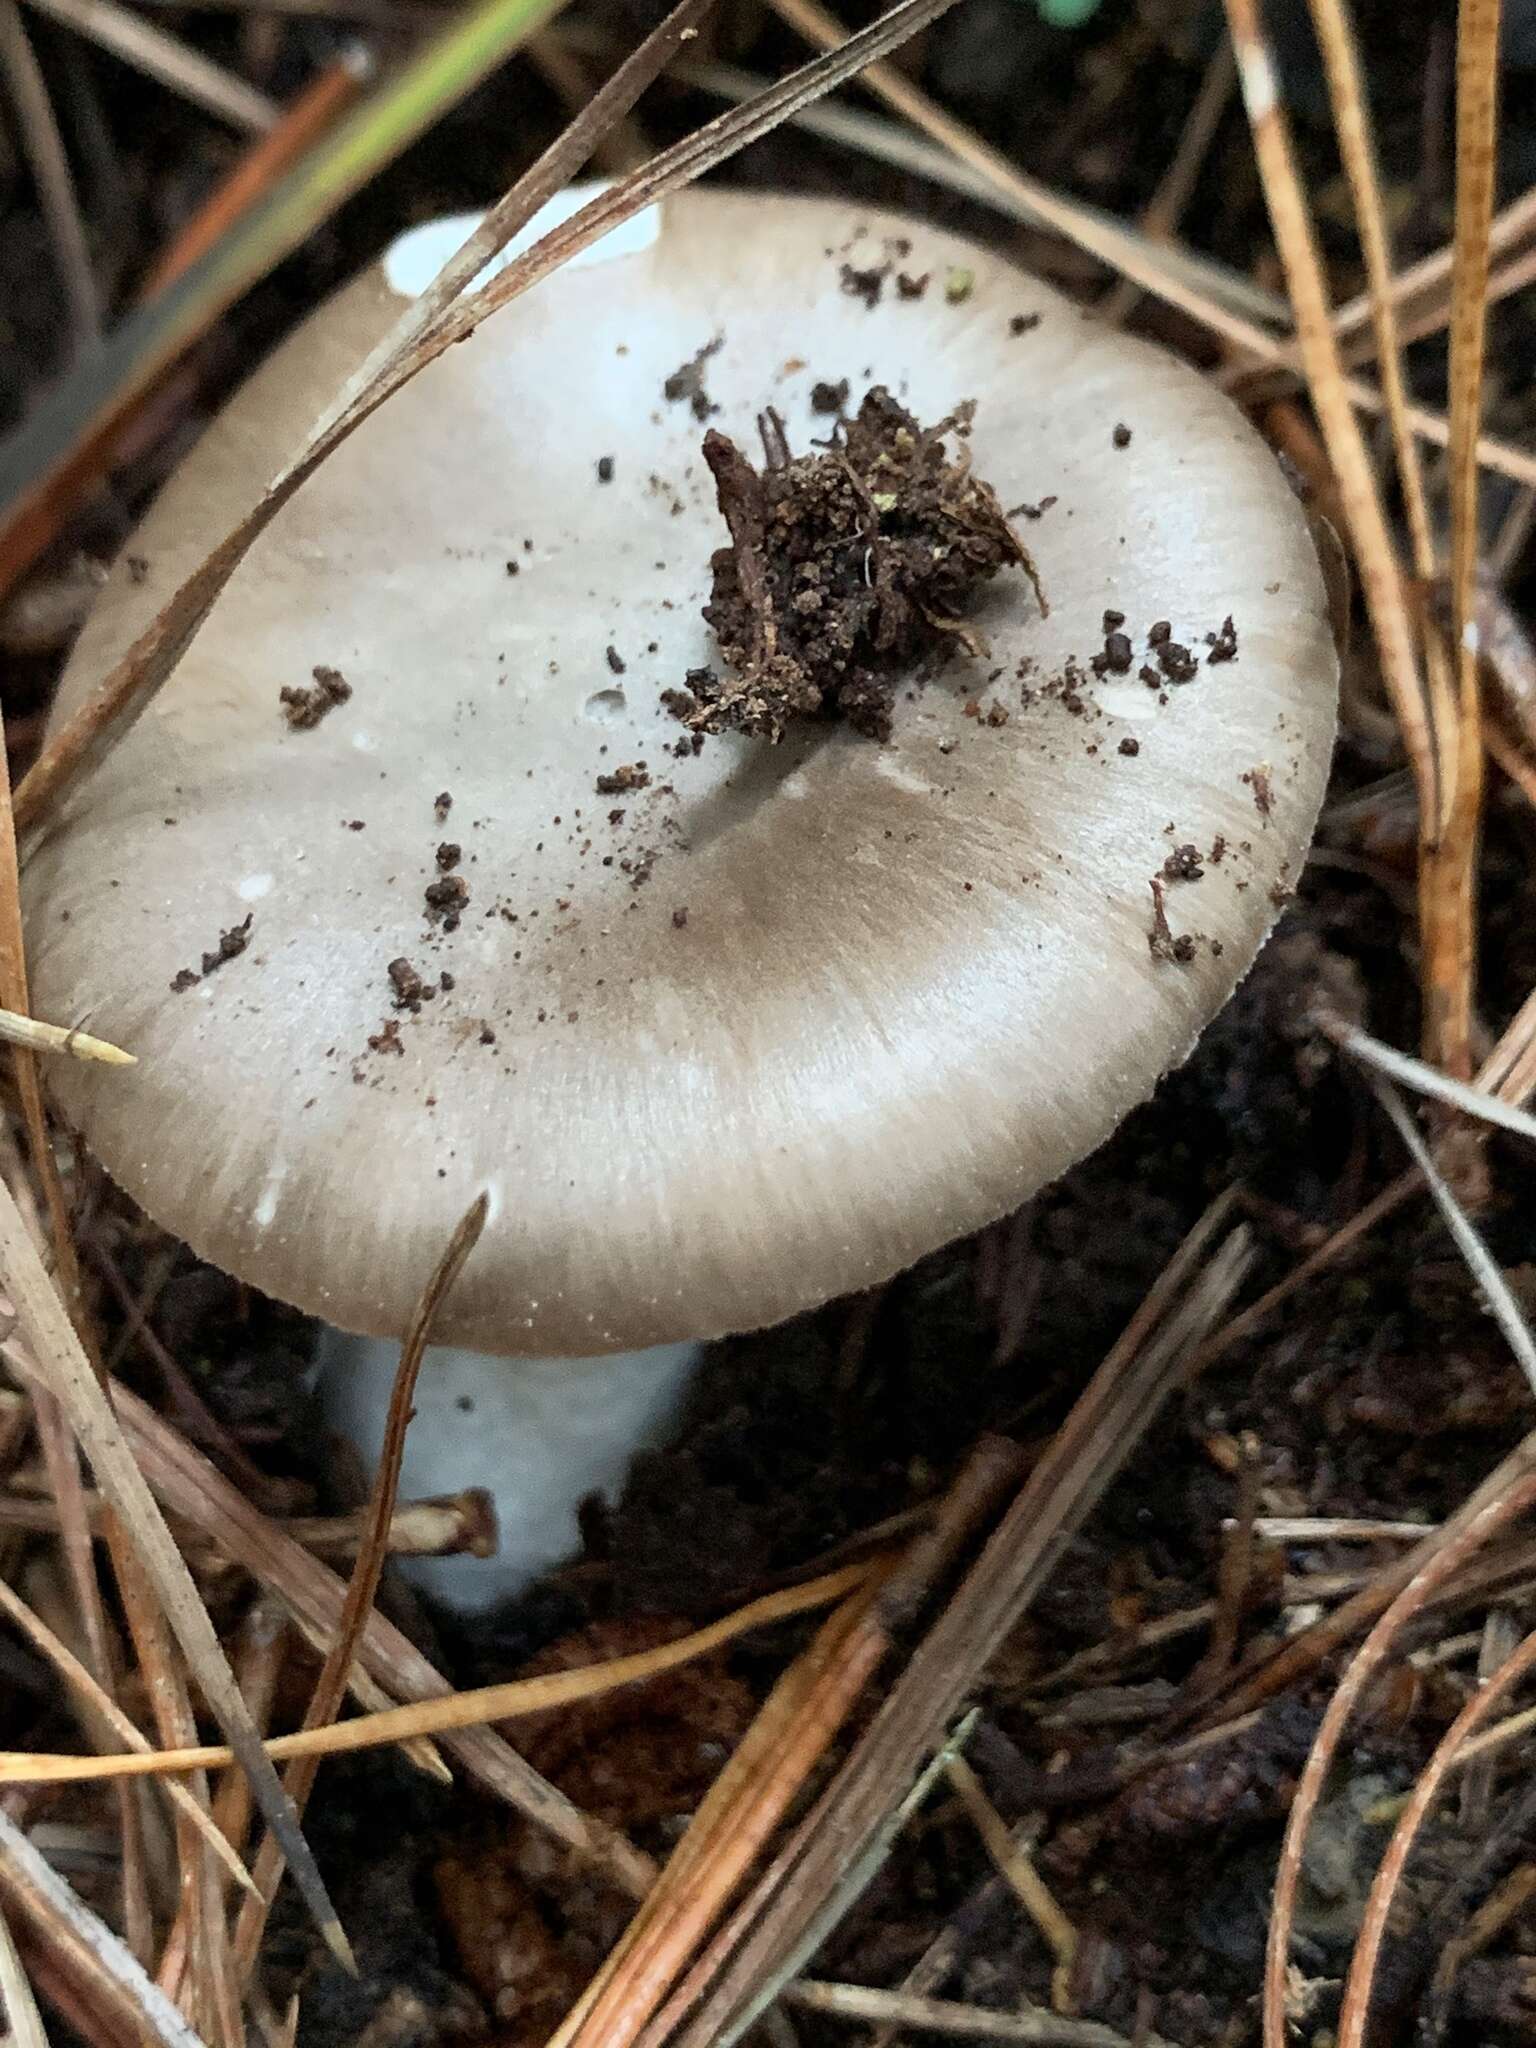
[(1033, 2029), (330, 1688), (167, 58), (39, 1037), (1511, 226), (39, 1898), (24, 2023), (51, 173), (1016, 1867)]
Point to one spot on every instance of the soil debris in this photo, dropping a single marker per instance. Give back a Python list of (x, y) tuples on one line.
[(304, 707), (864, 284), (231, 945), (410, 990), (687, 380), (632, 775), (442, 804), (1023, 323), (912, 287), (616, 662), (1222, 645), (605, 469), (448, 855), (446, 900), (829, 397), (1121, 437), (845, 569)]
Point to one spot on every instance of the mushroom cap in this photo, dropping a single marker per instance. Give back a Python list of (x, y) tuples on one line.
[(915, 981)]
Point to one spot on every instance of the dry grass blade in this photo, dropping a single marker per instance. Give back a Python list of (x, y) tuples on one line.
[(1355, 2011), (1030, 2029), (50, 169), (1477, 57), (518, 1696), (1427, 1080), (167, 58), (1483, 1267), (65, 1372), (1448, 942), (36, 1037), (132, 683), (1103, 1428), (94, 1697), (36, 1897), (24, 2023), (330, 1690)]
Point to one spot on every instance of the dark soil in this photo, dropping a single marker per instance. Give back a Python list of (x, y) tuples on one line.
[(847, 570)]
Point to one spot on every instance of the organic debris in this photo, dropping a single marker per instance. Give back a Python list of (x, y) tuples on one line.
[(846, 570)]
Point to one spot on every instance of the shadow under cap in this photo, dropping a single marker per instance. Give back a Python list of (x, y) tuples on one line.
[(914, 981)]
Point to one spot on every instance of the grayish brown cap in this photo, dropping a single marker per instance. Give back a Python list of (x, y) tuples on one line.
[(798, 1015)]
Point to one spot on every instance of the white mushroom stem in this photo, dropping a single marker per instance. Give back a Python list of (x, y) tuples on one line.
[(540, 1434)]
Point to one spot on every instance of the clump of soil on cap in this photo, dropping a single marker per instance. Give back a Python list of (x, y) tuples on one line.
[(847, 569)]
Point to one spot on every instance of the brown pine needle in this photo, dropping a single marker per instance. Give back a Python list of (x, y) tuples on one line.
[(1355, 2010), (330, 1689), (457, 1710), (75, 1675), (50, 171), (18, 2008), (38, 1037), (166, 58)]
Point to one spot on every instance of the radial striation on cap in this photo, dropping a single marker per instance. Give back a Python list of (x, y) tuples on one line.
[(723, 1034)]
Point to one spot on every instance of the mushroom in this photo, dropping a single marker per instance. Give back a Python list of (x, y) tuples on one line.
[(752, 1027)]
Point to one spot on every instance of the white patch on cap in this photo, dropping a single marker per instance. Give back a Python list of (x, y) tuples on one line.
[(265, 1212), (253, 888), (1471, 638), (413, 259), (364, 742)]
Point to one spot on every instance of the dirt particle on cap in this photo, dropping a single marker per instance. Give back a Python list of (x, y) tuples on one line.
[(410, 990), (959, 283), (1222, 645), (1113, 620), (908, 287), (1183, 865), (1117, 656), (442, 804), (183, 979), (138, 567), (231, 945), (1263, 789), (829, 397), (448, 855), (354, 824), (1176, 661), (445, 901), (864, 284), (1129, 746), (687, 380), (1121, 437), (1159, 631), (514, 568), (387, 1038), (605, 469), (1023, 323), (680, 916), (616, 662), (304, 707), (1037, 511), (631, 775), (487, 1035)]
